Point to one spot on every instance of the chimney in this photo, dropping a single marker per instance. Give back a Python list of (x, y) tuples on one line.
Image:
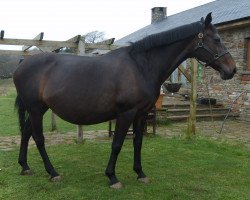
[(158, 14)]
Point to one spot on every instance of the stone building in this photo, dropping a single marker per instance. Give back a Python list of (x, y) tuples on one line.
[(232, 20)]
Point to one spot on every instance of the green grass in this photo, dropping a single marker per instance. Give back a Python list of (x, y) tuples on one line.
[(8, 116), (178, 169)]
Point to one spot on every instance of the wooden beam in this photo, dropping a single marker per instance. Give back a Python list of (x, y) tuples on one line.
[(39, 37), (75, 39), (101, 46), (185, 73), (55, 44), (2, 34), (43, 43), (46, 49), (108, 41), (19, 53)]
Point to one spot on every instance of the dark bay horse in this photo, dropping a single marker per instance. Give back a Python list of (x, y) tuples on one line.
[(123, 84)]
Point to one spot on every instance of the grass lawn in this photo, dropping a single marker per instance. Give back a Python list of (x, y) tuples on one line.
[(178, 169)]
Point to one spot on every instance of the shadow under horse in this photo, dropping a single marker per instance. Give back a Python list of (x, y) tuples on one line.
[(123, 85)]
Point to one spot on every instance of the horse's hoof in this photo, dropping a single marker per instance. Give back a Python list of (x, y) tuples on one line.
[(56, 179), (116, 185), (144, 180), (26, 172)]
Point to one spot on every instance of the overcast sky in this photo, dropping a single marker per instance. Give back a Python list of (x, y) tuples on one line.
[(63, 19)]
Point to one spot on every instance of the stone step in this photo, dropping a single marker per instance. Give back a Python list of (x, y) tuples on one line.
[(245, 117), (199, 110), (187, 105), (202, 117), (175, 108)]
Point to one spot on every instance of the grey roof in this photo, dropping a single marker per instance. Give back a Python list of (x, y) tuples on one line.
[(223, 11)]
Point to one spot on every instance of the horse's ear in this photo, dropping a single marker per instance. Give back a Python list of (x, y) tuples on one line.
[(208, 19), (202, 20)]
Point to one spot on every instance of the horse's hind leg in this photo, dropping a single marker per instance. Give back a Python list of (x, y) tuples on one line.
[(26, 134), (37, 134)]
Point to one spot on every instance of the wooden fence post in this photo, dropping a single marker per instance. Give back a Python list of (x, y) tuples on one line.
[(80, 52), (53, 121), (192, 118), (79, 134)]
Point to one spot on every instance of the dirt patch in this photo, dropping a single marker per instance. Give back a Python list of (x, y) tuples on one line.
[(233, 131), (52, 138)]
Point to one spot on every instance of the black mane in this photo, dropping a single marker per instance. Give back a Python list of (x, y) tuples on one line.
[(167, 37)]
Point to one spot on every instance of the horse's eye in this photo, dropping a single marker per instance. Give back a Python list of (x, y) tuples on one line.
[(217, 40)]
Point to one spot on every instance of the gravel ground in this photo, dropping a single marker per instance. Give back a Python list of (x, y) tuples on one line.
[(233, 131)]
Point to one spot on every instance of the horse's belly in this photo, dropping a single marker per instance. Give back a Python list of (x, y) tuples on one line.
[(85, 117), (95, 118), (82, 108)]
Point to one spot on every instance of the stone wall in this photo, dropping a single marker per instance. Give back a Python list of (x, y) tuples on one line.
[(228, 91), (236, 42)]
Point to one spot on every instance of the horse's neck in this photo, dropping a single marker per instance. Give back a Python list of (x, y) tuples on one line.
[(164, 60)]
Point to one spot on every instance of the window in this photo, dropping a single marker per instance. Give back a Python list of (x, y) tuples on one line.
[(248, 54)]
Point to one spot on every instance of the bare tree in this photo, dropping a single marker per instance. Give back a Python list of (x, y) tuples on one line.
[(94, 37)]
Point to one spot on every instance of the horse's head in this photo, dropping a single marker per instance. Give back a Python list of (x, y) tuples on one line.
[(211, 50)]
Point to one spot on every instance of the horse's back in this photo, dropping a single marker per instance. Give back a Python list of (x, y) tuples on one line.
[(79, 89)]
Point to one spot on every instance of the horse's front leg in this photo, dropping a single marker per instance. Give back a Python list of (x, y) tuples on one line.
[(138, 127), (123, 123)]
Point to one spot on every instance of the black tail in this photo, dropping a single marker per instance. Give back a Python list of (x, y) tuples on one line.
[(22, 114)]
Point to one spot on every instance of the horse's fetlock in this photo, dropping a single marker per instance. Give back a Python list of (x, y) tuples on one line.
[(109, 174), (137, 169), (21, 162)]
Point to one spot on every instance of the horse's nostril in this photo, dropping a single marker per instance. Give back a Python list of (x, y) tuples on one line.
[(235, 70)]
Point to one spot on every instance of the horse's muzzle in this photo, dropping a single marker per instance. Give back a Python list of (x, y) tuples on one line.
[(229, 74)]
